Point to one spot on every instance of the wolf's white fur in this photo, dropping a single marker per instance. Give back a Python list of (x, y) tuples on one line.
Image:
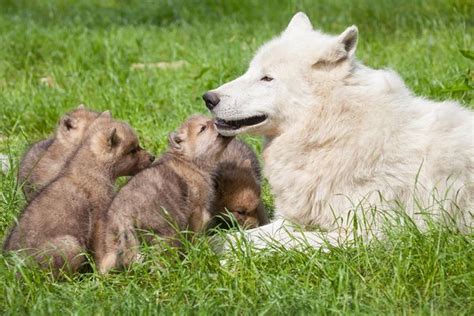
[(343, 137), (4, 163)]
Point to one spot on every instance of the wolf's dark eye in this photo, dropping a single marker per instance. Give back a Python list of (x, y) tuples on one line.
[(203, 128), (134, 151), (266, 78)]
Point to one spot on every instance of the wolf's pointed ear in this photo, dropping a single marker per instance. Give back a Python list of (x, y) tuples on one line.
[(113, 140), (175, 140), (348, 40), (343, 48), (68, 123), (299, 23), (81, 107)]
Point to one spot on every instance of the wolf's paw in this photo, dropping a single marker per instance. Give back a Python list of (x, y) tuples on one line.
[(263, 237), (242, 241)]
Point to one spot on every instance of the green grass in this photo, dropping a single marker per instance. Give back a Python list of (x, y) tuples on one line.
[(88, 47)]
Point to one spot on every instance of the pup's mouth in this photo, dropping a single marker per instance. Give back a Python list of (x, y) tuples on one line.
[(225, 139), (238, 124)]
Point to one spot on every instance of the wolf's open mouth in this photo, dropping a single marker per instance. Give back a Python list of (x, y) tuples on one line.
[(223, 124)]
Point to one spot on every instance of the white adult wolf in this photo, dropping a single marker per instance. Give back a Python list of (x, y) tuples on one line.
[(343, 138)]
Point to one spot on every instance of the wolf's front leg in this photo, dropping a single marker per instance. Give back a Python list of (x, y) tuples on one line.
[(282, 234)]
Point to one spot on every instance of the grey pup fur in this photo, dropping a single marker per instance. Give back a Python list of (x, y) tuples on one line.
[(173, 195), (54, 229)]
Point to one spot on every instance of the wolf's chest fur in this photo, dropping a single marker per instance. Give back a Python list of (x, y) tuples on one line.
[(303, 181), (400, 161)]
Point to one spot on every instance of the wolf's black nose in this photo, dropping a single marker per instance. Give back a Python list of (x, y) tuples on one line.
[(211, 99)]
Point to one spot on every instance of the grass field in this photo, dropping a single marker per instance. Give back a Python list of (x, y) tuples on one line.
[(57, 54)]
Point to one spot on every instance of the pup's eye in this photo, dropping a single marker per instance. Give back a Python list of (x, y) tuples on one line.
[(266, 78), (240, 212), (203, 128), (134, 151)]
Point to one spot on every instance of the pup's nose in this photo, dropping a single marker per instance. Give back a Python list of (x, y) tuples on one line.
[(211, 99)]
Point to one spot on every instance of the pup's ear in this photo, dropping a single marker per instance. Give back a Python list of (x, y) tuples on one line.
[(113, 140), (175, 140), (68, 123), (105, 114), (247, 163), (81, 107), (299, 23)]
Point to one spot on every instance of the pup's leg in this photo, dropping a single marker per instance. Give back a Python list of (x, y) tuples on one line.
[(63, 253), (107, 262), (262, 215), (199, 220), (121, 250), (130, 246)]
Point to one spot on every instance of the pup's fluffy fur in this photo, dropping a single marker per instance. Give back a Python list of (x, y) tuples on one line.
[(238, 191), (45, 159), (342, 136), (173, 195), (55, 227)]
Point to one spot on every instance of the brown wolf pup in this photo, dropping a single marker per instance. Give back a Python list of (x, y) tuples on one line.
[(175, 194), (238, 180), (55, 227), (45, 159)]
